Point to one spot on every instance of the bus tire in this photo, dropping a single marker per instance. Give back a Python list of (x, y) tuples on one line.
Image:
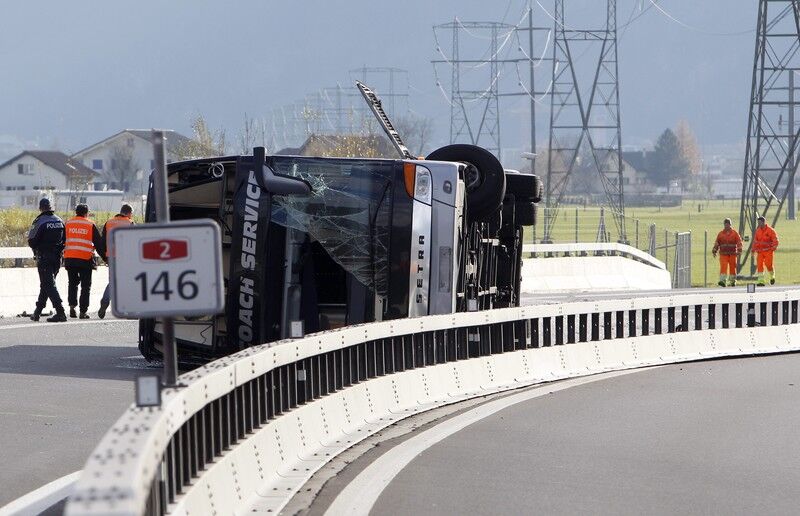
[(487, 187)]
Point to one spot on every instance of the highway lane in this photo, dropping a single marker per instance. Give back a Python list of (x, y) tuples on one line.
[(62, 385), (706, 437)]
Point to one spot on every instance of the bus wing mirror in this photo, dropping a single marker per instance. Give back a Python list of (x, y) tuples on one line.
[(284, 185)]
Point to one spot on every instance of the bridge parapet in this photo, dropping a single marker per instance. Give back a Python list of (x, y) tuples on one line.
[(246, 431)]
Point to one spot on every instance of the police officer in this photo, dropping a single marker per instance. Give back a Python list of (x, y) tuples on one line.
[(46, 238), (123, 218), (83, 238)]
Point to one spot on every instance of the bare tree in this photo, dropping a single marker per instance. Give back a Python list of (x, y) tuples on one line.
[(688, 147), (123, 168), (416, 132), (253, 134), (206, 142)]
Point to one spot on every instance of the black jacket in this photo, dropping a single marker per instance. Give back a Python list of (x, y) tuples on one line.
[(47, 236)]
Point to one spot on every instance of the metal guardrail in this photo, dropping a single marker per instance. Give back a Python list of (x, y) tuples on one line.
[(592, 249), (152, 456)]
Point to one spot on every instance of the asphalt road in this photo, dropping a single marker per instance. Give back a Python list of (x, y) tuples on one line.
[(62, 385), (716, 437)]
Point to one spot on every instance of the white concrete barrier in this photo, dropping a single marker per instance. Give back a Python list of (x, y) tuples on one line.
[(21, 288), (149, 450), (587, 273), (584, 267)]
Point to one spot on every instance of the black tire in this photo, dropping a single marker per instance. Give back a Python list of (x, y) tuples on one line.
[(525, 187), (525, 214), (485, 193)]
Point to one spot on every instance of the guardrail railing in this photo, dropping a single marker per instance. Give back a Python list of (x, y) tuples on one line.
[(591, 249), (152, 456)]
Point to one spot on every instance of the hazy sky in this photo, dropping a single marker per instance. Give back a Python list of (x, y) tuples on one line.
[(76, 71)]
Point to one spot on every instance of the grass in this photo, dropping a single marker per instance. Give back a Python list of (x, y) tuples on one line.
[(15, 223), (679, 219)]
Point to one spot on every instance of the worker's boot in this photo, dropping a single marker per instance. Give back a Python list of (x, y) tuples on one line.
[(732, 283), (60, 316), (102, 312), (36, 314), (84, 315), (771, 277), (72, 313)]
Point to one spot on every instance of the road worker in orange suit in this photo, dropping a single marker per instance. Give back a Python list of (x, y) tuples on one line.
[(765, 241), (729, 246), (83, 239)]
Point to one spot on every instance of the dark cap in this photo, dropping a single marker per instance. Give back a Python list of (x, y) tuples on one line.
[(44, 204), (726, 221), (761, 217)]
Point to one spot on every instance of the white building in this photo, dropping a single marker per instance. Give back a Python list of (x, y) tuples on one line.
[(124, 160), (31, 175)]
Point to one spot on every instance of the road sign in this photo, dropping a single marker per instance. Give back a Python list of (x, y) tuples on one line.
[(164, 270)]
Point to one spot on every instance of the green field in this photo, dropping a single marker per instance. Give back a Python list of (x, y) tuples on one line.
[(684, 218), (14, 224)]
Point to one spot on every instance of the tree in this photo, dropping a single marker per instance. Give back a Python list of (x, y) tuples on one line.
[(123, 169), (416, 132), (205, 143), (667, 162), (688, 146), (253, 134)]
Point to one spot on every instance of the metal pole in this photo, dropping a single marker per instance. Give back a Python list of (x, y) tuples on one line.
[(705, 258), (532, 89), (792, 205), (161, 200), (637, 233), (666, 249), (576, 225)]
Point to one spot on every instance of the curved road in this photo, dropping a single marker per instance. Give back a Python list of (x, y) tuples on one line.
[(62, 385), (707, 437)]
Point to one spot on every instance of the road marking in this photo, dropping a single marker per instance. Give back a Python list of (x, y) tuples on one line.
[(41, 499), (57, 325), (2, 413), (361, 494)]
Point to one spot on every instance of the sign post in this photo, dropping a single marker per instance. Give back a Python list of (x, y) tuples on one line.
[(162, 216), (166, 269)]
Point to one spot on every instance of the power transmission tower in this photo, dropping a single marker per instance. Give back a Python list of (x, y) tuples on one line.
[(463, 126), (488, 99), (579, 118), (772, 135)]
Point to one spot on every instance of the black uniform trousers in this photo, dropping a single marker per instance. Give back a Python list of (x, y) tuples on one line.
[(79, 276), (48, 270)]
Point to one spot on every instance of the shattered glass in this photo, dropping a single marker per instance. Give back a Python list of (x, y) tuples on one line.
[(348, 212)]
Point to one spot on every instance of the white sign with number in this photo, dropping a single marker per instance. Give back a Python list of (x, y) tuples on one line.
[(164, 270)]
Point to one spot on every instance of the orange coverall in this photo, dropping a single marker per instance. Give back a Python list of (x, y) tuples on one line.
[(729, 244), (765, 242)]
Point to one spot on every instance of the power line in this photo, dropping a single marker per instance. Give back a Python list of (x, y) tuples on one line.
[(697, 29)]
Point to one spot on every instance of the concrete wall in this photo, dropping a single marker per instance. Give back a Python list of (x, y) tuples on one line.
[(578, 274), (21, 288)]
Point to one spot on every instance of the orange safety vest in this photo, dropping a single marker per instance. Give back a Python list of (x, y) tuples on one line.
[(79, 242), (765, 240), (728, 243), (118, 220)]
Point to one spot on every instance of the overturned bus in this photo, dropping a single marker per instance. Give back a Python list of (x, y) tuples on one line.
[(340, 241)]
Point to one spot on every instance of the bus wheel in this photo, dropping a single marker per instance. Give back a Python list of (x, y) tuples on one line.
[(484, 178)]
